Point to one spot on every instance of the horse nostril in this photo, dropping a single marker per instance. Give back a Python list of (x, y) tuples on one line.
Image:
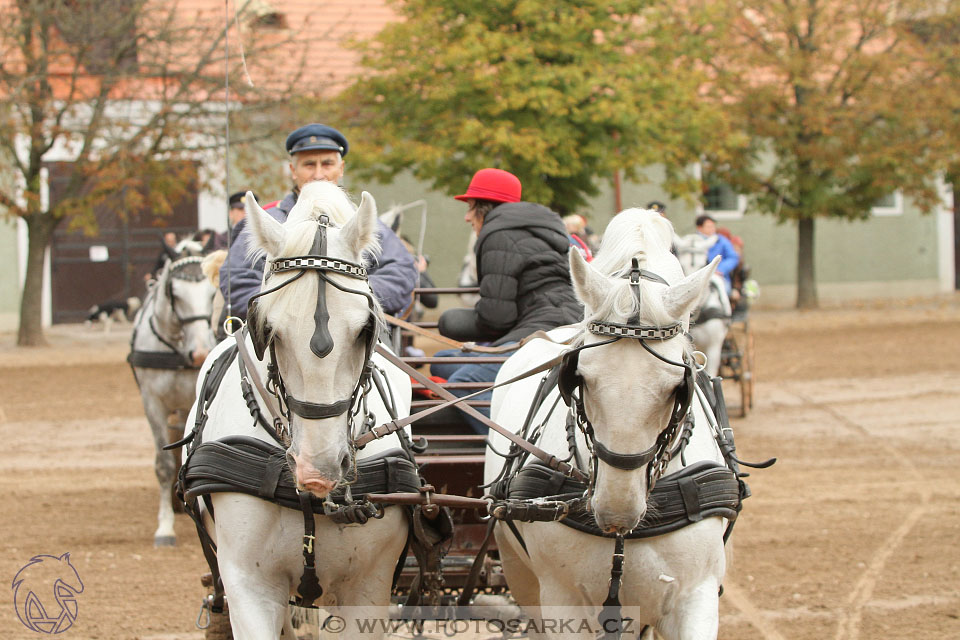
[(345, 464)]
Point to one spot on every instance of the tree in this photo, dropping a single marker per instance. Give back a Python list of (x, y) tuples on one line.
[(841, 103), (127, 88), (560, 93)]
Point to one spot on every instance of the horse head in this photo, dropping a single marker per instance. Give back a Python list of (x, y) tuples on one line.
[(692, 250), (629, 387), (317, 313), (185, 302)]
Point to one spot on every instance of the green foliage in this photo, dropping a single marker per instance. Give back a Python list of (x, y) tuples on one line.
[(840, 103), (560, 93)]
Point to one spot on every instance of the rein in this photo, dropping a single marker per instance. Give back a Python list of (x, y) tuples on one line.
[(463, 346)]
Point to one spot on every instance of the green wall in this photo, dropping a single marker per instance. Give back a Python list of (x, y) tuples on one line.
[(10, 282), (881, 249)]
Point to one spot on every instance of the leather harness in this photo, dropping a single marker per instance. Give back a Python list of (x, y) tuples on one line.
[(187, 268)]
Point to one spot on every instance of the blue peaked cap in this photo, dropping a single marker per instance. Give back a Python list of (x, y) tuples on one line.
[(317, 136)]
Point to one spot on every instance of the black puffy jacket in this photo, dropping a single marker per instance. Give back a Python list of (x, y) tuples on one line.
[(523, 272)]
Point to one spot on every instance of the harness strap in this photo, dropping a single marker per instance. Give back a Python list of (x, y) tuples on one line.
[(624, 461), (321, 343), (469, 346), (395, 425), (309, 588), (610, 611), (470, 584), (208, 391), (252, 375), (159, 360), (315, 411)]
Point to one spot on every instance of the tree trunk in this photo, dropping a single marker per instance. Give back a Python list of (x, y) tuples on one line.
[(39, 234), (806, 276)]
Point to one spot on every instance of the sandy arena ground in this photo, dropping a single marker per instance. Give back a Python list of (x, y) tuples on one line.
[(853, 534)]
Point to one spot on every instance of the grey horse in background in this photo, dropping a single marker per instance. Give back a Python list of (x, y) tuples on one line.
[(171, 338), (711, 320)]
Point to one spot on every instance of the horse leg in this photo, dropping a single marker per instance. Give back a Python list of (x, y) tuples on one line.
[(250, 534), (524, 586), (694, 617), (164, 467), (356, 581), (564, 613)]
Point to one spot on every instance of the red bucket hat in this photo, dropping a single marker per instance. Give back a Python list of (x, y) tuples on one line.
[(493, 184)]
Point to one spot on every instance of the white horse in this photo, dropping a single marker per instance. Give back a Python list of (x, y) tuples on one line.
[(171, 338), (260, 543), (670, 581), (712, 318)]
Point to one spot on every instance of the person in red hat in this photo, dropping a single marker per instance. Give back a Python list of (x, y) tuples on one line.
[(523, 272)]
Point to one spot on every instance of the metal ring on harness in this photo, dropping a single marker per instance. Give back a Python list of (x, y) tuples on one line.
[(228, 323), (699, 360)]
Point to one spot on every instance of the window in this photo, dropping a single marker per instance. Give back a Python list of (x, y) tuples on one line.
[(889, 205), (720, 200)]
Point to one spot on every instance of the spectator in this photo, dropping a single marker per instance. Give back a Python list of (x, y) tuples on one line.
[(169, 243), (576, 226), (523, 272), (316, 153), (729, 258)]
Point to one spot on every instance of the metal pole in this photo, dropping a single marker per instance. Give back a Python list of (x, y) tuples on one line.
[(226, 104)]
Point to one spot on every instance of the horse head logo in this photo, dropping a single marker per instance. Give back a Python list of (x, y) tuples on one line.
[(45, 576)]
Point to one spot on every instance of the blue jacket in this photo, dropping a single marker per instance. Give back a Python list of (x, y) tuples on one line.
[(729, 257), (393, 274)]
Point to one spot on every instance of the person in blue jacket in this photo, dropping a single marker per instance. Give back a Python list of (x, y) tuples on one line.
[(729, 258), (316, 153)]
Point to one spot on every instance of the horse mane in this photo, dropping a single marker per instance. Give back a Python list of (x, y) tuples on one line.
[(316, 199), (188, 247), (645, 235)]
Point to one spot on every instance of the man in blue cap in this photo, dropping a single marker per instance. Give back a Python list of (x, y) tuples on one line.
[(316, 153)]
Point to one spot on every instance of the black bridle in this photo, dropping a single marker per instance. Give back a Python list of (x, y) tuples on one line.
[(321, 343), (658, 455), (187, 269)]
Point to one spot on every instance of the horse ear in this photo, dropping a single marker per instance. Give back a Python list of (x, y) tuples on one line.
[(680, 299), (267, 232), (359, 233), (588, 283)]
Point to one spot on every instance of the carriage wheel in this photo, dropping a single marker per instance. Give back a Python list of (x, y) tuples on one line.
[(747, 379), (749, 368)]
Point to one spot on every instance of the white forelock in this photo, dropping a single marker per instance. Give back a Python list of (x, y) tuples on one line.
[(646, 235)]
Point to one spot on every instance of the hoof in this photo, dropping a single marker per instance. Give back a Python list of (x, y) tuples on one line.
[(164, 541)]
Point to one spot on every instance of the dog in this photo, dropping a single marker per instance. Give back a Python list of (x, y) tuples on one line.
[(112, 311)]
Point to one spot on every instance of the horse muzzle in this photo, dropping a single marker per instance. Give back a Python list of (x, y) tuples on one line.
[(320, 480), (618, 513)]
